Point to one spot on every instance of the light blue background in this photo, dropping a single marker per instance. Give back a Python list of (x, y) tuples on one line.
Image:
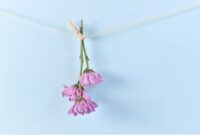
[(151, 73)]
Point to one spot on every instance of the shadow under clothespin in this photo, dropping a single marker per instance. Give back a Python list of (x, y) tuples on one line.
[(75, 30)]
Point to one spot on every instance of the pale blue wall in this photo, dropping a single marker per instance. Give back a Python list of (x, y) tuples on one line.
[(151, 73)]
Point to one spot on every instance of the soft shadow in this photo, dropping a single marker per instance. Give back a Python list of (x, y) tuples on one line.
[(107, 94), (113, 105)]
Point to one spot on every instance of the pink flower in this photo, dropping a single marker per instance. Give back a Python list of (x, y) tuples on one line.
[(82, 106), (90, 78), (72, 92), (82, 102)]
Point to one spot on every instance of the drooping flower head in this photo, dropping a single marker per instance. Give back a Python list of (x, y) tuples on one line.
[(72, 92), (90, 78), (82, 102), (82, 105)]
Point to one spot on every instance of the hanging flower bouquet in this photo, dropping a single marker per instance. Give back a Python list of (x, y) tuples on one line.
[(82, 103)]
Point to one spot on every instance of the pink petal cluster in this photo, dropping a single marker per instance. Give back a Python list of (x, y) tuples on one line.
[(82, 107), (76, 93), (82, 102), (90, 78), (72, 92)]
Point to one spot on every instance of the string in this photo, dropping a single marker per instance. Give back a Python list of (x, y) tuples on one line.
[(34, 21), (108, 31), (144, 21)]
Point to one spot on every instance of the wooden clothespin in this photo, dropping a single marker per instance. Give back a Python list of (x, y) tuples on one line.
[(75, 30)]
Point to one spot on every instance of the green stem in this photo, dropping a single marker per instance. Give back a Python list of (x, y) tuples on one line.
[(86, 57), (81, 54), (84, 50)]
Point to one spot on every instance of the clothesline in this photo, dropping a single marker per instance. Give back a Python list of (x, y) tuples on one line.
[(126, 26)]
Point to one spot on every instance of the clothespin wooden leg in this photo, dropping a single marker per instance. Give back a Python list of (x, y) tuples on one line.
[(75, 30)]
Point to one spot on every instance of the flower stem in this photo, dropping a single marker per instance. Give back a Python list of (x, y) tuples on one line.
[(86, 57), (84, 49), (81, 54)]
